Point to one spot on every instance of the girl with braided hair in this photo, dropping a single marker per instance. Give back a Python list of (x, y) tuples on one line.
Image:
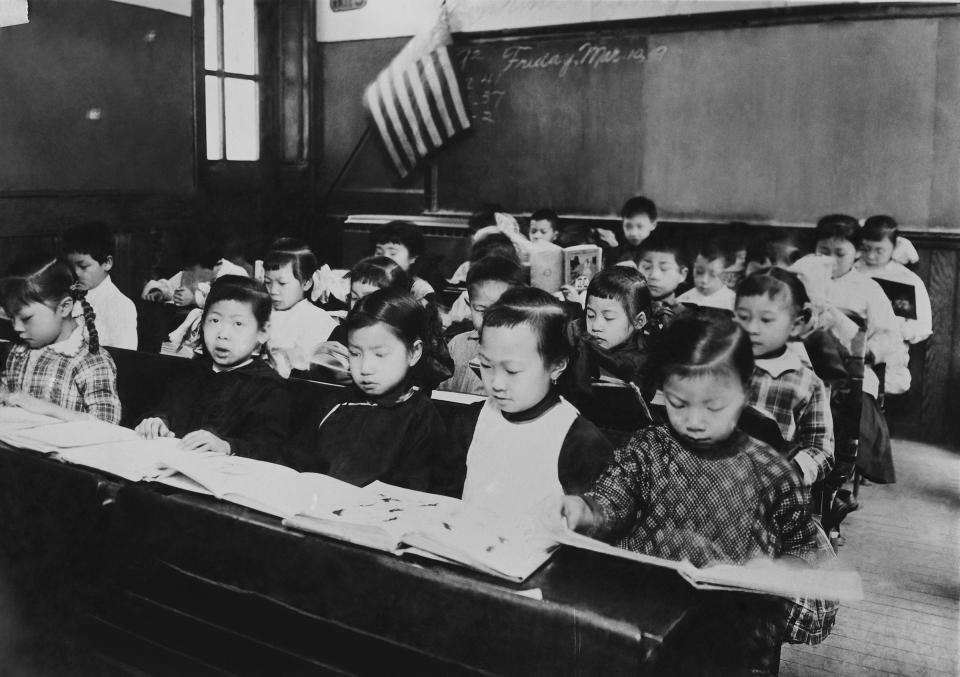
[(56, 368)]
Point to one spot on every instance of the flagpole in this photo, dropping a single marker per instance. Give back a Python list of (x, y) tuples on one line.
[(346, 166)]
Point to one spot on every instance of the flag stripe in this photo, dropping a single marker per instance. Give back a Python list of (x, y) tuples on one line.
[(435, 106), (402, 97), (448, 103), (386, 96), (420, 119), (434, 81), (415, 86), (404, 166), (444, 54), (373, 105)]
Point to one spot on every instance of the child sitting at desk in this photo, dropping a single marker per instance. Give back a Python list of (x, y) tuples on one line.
[(714, 258), (664, 265), (55, 369), (638, 221), (403, 242), (525, 443), (297, 327), (386, 428), (90, 250), (698, 488), (232, 402)]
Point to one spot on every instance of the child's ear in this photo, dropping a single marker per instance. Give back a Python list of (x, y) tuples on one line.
[(415, 353), (801, 321), (264, 332), (65, 307), (640, 321), (107, 265), (306, 285), (557, 369)]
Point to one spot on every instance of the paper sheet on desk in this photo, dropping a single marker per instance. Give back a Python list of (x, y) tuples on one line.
[(15, 418), (133, 460), (71, 435)]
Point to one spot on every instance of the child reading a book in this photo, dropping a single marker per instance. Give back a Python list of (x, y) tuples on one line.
[(698, 488), (232, 402), (403, 242), (772, 308), (526, 443), (55, 369), (386, 428), (297, 326), (610, 351), (664, 264), (90, 250), (709, 290), (487, 280), (854, 293), (911, 303)]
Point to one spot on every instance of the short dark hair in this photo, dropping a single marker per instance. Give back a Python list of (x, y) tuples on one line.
[(774, 282), (639, 205), (495, 269), (303, 262), (494, 244), (718, 247), (538, 310), (380, 271), (400, 232), (94, 238), (624, 285), (399, 310), (243, 290), (880, 227), (839, 226), (702, 343), (547, 215), (663, 242)]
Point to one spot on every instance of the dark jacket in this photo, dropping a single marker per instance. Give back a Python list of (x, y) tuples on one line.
[(248, 407)]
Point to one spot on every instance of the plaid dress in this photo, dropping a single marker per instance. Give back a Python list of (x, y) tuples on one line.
[(793, 396), (68, 375), (731, 503)]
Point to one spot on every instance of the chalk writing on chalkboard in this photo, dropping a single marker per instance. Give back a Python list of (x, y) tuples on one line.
[(485, 74)]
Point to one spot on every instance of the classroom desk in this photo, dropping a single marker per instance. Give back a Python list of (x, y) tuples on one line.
[(177, 583)]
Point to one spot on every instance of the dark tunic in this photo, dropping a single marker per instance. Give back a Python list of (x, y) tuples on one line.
[(248, 407), (397, 438), (584, 453)]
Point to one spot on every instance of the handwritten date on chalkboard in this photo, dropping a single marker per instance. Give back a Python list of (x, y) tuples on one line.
[(486, 90)]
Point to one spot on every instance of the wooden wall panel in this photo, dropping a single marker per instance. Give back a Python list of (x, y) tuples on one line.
[(942, 287)]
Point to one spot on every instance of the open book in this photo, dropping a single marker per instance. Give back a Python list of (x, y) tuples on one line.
[(58, 436), (552, 266), (402, 521), (15, 418), (903, 297)]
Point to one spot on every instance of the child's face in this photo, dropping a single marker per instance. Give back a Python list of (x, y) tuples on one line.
[(88, 270), (542, 229), (876, 253), (637, 228), (482, 296), (708, 275), (608, 322), (231, 333), (396, 251), (513, 372), (359, 290), (662, 272), (285, 289), (39, 325), (704, 411), (379, 361), (769, 322), (843, 253)]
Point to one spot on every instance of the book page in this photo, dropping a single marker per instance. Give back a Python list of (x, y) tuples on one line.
[(133, 460), (15, 418), (772, 577), (70, 435)]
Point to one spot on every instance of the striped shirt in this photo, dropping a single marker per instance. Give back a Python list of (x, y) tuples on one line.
[(68, 375)]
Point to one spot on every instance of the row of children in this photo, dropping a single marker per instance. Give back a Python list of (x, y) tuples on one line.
[(526, 442)]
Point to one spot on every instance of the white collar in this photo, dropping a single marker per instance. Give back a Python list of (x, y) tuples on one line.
[(102, 288), (778, 366), (71, 345)]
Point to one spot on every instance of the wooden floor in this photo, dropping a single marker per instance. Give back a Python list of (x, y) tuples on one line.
[(905, 542)]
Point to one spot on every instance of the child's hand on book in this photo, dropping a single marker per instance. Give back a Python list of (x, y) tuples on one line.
[(183, 297), (578, 515), (204, 440), (152, 428)]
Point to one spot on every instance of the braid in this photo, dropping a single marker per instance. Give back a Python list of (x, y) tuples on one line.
[(89, 317)]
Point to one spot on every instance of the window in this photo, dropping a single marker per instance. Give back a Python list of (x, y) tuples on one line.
[(231, 79)]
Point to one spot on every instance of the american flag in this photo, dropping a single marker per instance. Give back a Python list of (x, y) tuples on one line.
[(416, 101)]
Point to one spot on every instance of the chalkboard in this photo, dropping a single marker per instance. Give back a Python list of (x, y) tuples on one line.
[(777, 123), (97, 96)]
